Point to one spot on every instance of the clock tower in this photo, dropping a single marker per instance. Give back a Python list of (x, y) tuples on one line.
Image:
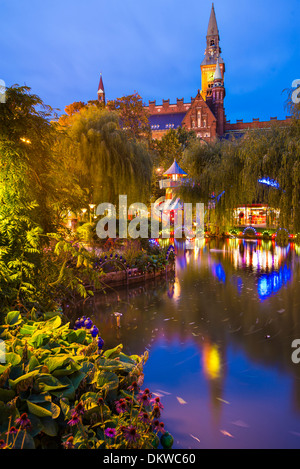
[(212, 56)]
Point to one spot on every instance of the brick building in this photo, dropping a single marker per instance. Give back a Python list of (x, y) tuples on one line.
[(205, 113)]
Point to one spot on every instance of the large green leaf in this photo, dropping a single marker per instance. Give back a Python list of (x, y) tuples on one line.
[(38, 339), (49, 426), (27, 329), (38, 410), (40, 398), (13, 318), (76, 378), (107, 380), (12, 358), (62, 365), (77, 336), (55, 410), (68, 391), (48, 383), (13, 383), (33, 363), (65, 407), (111, 353), (53, 323), (109, 365), (55, 362)]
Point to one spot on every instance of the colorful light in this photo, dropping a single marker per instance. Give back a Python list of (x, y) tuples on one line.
[(271, 283), (269, 182)]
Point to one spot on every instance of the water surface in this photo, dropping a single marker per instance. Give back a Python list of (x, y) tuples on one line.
[(219, 335)]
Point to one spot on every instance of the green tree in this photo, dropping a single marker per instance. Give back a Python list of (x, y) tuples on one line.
[(134, 118), (32, 189), (26, 139), (104, 161), (231, 170)]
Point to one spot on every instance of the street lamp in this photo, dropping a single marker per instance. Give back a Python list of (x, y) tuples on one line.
[(83, 212), (92, 206)]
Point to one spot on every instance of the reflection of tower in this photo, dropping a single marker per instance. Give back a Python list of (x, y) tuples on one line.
[(213, 366)]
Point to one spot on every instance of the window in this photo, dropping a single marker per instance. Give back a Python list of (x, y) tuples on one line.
[(198, 118)]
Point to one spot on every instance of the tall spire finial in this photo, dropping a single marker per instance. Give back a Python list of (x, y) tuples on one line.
[(212, 29), (101, 92), (218, 73)]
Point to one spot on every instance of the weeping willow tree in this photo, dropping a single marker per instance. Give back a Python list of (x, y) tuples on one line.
[(102, 158), (26, 139), (225, 174)]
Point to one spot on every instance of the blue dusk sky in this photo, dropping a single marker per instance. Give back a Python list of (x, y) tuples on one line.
[(59, 47)]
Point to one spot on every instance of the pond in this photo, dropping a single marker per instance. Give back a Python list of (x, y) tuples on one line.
[(219, 334)]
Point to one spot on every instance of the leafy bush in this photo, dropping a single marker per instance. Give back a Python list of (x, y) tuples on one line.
[(59, 389), (282, 237)]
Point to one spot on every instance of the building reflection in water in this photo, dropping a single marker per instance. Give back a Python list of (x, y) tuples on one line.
[(205, 328), (270, 283), (265, 258)]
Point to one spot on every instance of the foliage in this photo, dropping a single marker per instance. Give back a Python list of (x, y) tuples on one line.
[(67, 271), (150, 262), (32, 193), (102, 158), (136, 254), (38, 271), (30, 171), (231, 169), (19, 257), (171, 146), (134, 118), (58, 388)]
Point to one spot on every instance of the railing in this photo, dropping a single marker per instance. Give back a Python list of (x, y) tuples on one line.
[(167, 183)]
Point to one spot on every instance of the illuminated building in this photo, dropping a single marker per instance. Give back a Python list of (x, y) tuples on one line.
[(205, 113), (259, 215)]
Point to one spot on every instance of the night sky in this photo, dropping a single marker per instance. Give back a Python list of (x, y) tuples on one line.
[(59, 47)]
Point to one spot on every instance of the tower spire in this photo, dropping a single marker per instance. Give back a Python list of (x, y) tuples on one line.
[(212, 61), (101, 92), (212, 29), (213, 49), (218, 73)]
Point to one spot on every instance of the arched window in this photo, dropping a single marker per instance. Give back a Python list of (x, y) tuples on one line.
[(198, 118)]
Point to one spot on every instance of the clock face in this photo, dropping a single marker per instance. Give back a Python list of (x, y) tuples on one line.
[(211, 76)]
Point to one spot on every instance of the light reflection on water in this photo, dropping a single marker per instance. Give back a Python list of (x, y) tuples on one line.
[(219, 336)]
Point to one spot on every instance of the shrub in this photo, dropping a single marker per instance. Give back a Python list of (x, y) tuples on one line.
[(59, 389)]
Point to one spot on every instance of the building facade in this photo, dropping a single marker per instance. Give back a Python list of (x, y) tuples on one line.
[(205, 113)]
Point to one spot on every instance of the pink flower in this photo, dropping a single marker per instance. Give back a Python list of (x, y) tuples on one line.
[(156, 401), (23, 421), (121, 406), (144, 399), (110, 432), (130, 434), (74, 420)]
